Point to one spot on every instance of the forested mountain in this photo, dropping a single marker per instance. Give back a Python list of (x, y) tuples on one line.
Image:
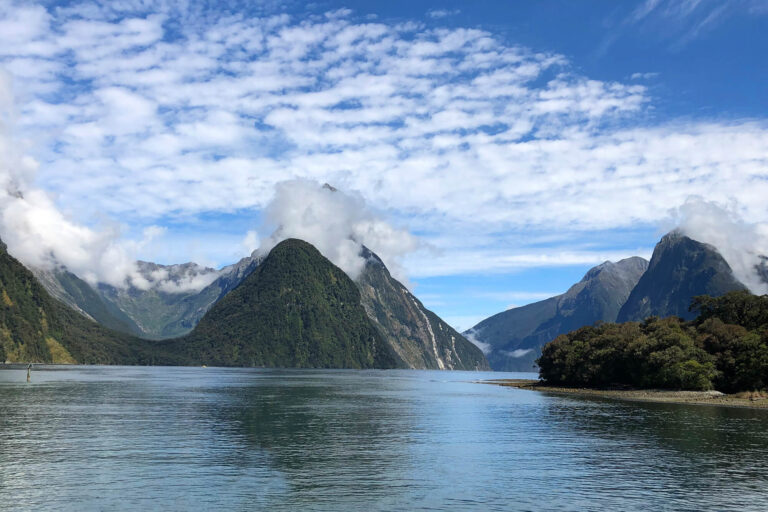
[(35, 327), (296, 309)]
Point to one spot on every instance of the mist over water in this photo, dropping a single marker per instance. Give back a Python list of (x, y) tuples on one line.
[(247, 439)]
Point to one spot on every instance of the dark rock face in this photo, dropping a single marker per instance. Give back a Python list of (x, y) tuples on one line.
[(762, 269), (418, 337), (680, 269), (297, 310), (515, 337)]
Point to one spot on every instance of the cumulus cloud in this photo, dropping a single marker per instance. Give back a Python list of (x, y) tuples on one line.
[(40, 235), (338, 224), (452, 130), (741, 243)]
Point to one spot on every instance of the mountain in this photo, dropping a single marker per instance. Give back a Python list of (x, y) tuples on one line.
[(153, 313), (82, 297), (35, 327), (296, 309), (762, 269), (680, 269), (514, 337), (418, 337)]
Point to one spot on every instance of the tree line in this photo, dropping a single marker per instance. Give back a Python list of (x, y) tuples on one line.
[(724, 348)]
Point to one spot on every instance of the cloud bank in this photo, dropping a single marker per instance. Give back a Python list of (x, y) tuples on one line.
[(40, 235), (178, 110), (741, 243), (338, 224)]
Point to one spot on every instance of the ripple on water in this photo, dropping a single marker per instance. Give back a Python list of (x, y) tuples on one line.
[(189, 438)]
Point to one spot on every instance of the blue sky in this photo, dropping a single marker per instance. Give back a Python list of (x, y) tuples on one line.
[(496, 150)]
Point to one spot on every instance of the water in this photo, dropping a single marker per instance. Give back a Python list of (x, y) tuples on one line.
[(98, 438)]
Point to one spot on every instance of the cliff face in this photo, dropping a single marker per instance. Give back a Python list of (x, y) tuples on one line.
[(680, 269), (418, 337), (515, 337)]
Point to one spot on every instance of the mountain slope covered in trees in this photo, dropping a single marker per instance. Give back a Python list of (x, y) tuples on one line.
[(296, 309)]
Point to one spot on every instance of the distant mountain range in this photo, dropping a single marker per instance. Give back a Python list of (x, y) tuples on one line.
[(35, 327), (291, 308), (152, 313), (629, 290), (516, 336), (294, 308), (680, 269)]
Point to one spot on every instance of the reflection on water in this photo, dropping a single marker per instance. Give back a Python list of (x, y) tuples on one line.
[(244, 439)]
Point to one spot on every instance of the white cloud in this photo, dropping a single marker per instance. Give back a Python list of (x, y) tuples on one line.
[(741, 243), (338, 224), (40, 235), (443, 13), (470, 335), (182, 112), (517, 353)]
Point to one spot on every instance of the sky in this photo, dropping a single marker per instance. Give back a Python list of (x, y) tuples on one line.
[(490, 151)]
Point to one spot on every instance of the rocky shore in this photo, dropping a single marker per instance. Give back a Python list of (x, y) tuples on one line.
[(753, 399)]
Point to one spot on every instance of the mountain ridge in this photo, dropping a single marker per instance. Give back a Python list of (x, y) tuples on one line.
[(515, 336), (680, 269)]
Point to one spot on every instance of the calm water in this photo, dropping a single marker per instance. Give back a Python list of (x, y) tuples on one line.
[(240, 439)]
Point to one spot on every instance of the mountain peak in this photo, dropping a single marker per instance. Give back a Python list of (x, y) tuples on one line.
[(680, 269), (515, 336)]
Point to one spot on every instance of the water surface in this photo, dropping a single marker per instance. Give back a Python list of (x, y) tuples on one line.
[(128, 438)]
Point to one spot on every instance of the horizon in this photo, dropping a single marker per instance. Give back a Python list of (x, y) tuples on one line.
[(491, 155)]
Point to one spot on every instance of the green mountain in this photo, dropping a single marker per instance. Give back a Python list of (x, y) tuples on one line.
[(514, 337), (296, 309), (82, 297), (418, 337), (680, 269), (153, 313), (35, 327)]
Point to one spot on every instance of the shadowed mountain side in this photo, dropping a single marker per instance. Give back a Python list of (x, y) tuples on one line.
[(151, 314), (680, 269), (515, 337), (83, 298), (762, 269), (418, 337), (35, 327), (296, 309)]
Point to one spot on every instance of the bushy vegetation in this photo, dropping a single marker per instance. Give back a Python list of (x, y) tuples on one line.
[(297, 310), (35, 327), (724, 348)]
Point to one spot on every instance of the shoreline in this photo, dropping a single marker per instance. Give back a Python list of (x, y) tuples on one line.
[(742, 400)]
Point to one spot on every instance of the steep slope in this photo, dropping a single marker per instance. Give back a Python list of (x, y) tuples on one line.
[(418, 337), (680, 269), (296, 309), (762, 269), (80, 296), (34, 327), (153, 313), (515, 337)]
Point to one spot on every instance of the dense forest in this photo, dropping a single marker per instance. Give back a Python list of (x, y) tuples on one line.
[(725, 348)]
